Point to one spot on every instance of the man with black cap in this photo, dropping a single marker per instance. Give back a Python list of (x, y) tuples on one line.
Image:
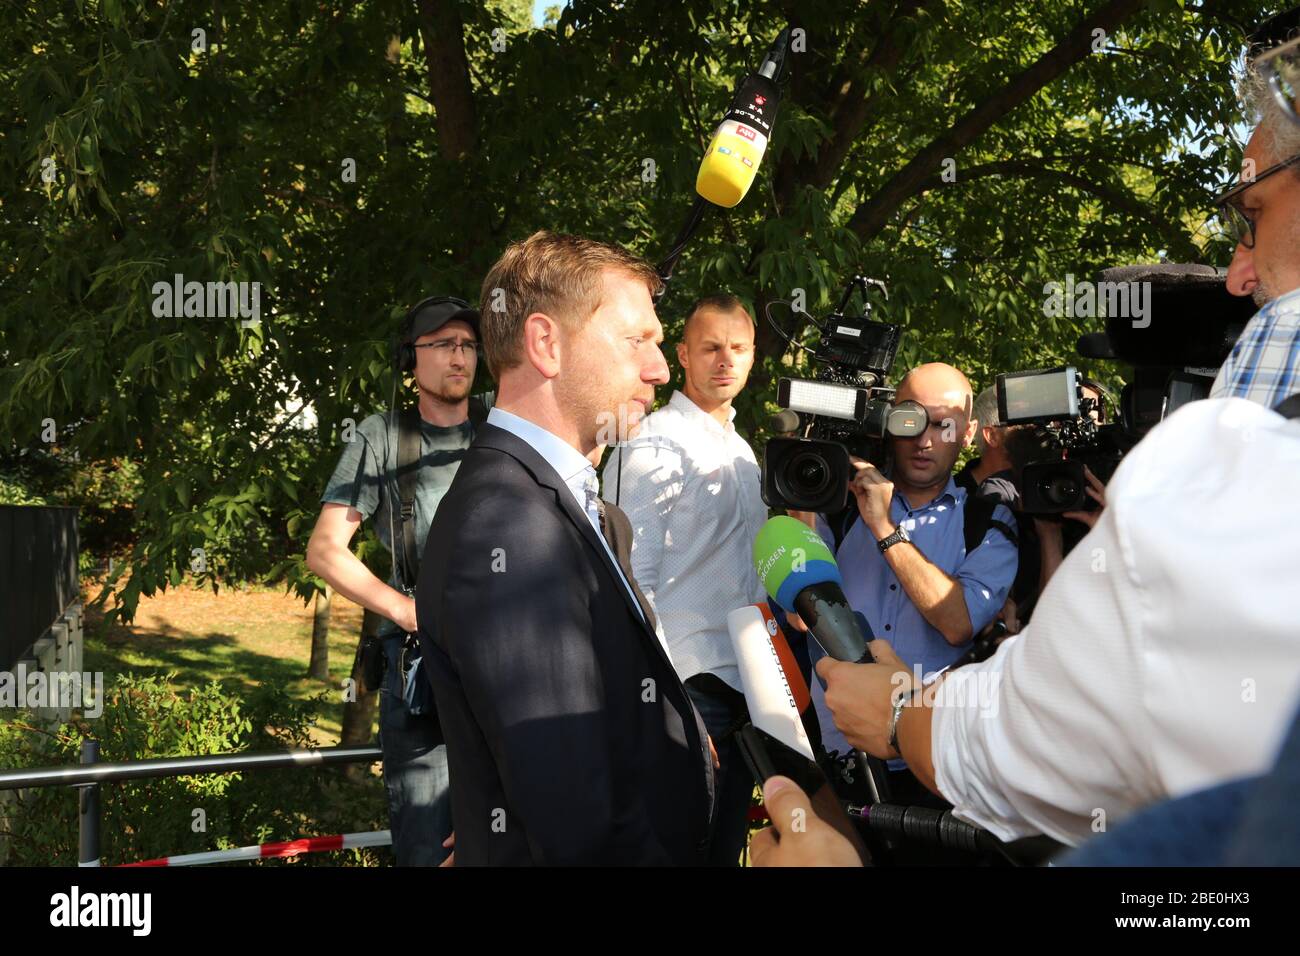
[(395, 470)]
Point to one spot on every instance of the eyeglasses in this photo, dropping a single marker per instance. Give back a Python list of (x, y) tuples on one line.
[(444, 347), (1236, 222), (1280, 69)]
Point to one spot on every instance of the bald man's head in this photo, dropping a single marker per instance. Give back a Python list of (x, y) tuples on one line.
[(927, 460), (939, 383)]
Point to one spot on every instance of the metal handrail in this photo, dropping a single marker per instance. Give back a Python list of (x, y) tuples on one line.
[(86, 774), (89, 774)]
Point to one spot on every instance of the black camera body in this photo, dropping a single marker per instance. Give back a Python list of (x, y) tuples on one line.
[(1175, 351), (846, 409), (1061, 433)]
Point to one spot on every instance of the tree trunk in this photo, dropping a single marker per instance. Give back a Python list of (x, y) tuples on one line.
[(359, 713), (319, 666)]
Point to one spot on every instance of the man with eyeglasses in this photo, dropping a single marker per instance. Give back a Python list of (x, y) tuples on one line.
[(1163, 658), (1263, 214), (375, 479)]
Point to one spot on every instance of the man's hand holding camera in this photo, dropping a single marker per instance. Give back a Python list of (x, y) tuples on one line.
[(874, 494)]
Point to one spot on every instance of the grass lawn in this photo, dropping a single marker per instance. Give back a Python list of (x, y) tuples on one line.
[(241, 638)]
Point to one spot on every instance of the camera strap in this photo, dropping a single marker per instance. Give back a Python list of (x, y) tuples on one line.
[(408, 480)]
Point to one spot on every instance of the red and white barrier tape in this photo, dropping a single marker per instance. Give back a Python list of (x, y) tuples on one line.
[(341, 841)]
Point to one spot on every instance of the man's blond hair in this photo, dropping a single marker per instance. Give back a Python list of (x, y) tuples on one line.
[(553, 273)]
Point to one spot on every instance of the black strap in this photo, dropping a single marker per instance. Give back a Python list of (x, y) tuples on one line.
[(478, 411), (841, 522), (408, 472), (1289, 407), (978, 518), (409, 440)]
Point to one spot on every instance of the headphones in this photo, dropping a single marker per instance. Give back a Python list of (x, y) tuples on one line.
[(404, 349)]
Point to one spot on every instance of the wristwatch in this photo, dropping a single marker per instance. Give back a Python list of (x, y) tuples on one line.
[(903, 700), (889, 540)]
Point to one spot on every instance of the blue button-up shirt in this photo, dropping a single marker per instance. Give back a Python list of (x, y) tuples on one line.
[(870, 585), (1264, 365)]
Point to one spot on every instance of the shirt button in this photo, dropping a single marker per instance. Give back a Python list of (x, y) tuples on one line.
[(893, 587), (888, 627)]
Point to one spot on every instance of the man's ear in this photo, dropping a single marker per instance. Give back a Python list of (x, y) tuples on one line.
[(542, 344), (992, 436), (971, 426), (681, 355)]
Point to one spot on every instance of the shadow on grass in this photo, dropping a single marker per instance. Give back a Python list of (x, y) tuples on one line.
[(240, 641), (197, 660)]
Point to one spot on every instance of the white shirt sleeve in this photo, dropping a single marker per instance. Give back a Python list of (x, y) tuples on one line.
[(1161, 658), (1041, 737)]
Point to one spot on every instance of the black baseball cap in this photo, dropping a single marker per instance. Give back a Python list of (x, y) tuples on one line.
[(432, 314)]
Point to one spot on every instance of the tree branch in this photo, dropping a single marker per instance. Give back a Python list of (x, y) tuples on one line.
[(1179, 243), (850, 106), (870, 217)]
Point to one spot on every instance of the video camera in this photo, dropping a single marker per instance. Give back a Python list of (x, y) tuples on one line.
[(1175, 350), (846, 409), (1070, 436)]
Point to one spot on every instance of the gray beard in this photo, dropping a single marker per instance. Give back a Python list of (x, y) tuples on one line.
[(1262, 295)]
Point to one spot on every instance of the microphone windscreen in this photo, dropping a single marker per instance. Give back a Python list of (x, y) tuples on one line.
[(775, 692), (730, 163), (785, 422), (790, 556)]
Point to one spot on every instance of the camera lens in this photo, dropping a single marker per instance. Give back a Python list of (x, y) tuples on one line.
[(1061, 489), (808, 474)]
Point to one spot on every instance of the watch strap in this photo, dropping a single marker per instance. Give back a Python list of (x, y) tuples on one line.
[(898, 535), (903, 700)]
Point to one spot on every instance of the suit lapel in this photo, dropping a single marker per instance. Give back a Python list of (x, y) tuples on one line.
[(491, 436)]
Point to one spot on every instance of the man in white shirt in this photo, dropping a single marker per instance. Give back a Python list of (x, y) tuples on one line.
[(1163, 656), (690, 486)]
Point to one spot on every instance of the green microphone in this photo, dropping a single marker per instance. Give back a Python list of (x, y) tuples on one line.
[(799, 572)]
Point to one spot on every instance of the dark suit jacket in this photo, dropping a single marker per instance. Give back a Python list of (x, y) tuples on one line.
[(570, 738)]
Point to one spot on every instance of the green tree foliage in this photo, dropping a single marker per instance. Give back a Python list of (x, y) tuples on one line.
[(145, 140)]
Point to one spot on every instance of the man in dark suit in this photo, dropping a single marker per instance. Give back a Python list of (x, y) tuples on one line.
[(570, 737)]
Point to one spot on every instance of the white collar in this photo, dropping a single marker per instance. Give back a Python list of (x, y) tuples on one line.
[(685, 406), (569, 463)]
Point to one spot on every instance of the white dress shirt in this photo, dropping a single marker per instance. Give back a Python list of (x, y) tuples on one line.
[(1164, 654), (578, 474), (691, 488)]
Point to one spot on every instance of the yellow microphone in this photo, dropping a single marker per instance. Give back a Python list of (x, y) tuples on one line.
[(738, 144), (736, 150)]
